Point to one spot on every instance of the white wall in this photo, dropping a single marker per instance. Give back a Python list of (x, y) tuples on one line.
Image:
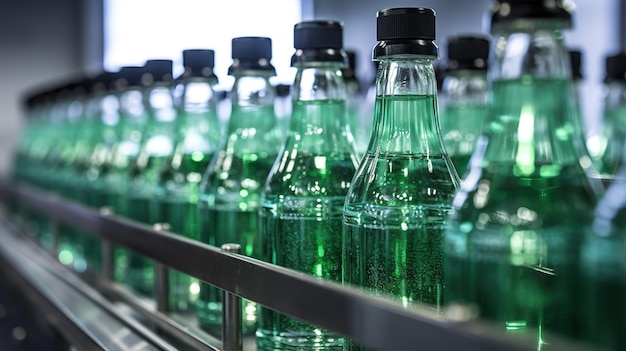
[(40, 42)]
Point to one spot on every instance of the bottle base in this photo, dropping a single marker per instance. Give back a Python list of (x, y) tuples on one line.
[(269, 341)]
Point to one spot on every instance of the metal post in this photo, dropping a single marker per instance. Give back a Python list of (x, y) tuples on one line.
[(162, 287), (231, 313), (56, 236), (106, 250)]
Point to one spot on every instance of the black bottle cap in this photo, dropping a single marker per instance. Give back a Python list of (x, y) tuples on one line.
[(99, 83), (157, 71), (251, 54), (198, 63), (283, 90), (318, 35), (575, 57), (405, 30), (616, 67), (128, 77), (468, 52), (507, 11), (320, 40)]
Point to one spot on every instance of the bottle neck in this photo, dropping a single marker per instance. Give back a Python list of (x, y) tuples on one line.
[(531, 120), (199, 128), (465, 87), (159, 100), (406, 119), (539, 53), (252, 99), (318, 120)]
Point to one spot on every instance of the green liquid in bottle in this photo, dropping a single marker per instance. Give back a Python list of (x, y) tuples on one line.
[(182, 218), (318, 253), (393, 246), (513, 243), (178, 211), (242, 228), (133, 269), (305, 235), (234, 219), (461, 125)]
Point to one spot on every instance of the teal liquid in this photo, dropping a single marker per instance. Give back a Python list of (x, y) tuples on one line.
[(133, 269), (308, 245), (182, 219), (461, 126), (604, 287), (513, 244), (512, 250), (300, 215), (393, 229), (233, 219), (393, 241), (177, 211), (233, 227)]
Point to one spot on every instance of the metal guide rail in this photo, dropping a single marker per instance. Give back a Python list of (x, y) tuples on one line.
[(375, 322)]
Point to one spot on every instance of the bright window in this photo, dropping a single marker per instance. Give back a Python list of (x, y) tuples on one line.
[(138, 30)]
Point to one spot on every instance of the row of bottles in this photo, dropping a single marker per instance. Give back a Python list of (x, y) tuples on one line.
[(496, 202)]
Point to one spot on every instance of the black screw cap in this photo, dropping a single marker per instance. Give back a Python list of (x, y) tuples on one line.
[(507, 11), (405, 30), (128, 77), (157, 71), (251, 53), (468, 52), (318, 41), (405, 23), (318, 35), (198, 62)]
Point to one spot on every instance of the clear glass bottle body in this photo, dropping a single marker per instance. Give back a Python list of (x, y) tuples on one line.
[(107, 139), (396, 208), (521, 213), (233, 184), (302, 201), (465, 97), (134, 118), (144, 189), (198, 138)]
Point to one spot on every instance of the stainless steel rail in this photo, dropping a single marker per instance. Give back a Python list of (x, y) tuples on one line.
[(376, 322), (78, 312)]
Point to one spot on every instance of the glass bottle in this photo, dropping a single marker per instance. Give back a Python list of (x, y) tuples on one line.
[(464, 92), (611, 144), (197, 140), (302, 200), (63, 129), (236, 175), (106, 138), (156, 149), (513, 240), (395, 210), (133, 116)]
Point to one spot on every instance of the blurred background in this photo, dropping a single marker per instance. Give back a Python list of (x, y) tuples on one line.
[(42, 41)]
